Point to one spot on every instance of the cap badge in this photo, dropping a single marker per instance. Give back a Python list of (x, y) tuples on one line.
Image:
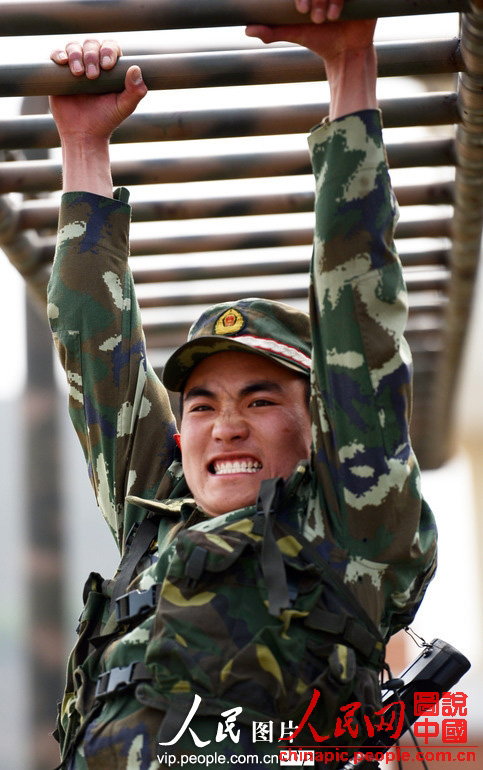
[(230, 322)]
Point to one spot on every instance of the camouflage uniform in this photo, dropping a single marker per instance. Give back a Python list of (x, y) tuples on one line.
[(358, 501)]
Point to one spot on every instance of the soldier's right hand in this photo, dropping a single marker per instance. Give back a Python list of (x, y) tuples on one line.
[(95, 115), (320, 10)]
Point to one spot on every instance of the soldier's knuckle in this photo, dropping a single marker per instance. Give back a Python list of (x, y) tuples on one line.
[(110, 43), (73, 45), (91, 43)]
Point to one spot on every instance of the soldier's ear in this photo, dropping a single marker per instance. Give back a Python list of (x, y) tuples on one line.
[(177, 438)]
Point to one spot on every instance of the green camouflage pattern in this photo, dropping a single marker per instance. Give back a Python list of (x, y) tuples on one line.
[(359, 502)]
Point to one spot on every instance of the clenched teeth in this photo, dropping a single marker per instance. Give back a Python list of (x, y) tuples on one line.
[(238, 466)]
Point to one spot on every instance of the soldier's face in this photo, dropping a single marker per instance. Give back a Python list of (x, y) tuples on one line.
[(245, 419)]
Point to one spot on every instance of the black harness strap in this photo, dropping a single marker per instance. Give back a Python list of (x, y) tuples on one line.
[(95, 710), (137, 544), (272, 564)]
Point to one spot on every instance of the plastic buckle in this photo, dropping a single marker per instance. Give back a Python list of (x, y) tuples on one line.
[(135, 603), (115, 679)]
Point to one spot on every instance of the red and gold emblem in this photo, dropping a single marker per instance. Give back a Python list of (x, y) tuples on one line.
[(230, 322)]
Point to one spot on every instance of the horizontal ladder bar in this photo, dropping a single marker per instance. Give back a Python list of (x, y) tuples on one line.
[(422, 110), (431, 279), (227, 68), (62, 17), (43, 214), (259, 239), (258, 267)]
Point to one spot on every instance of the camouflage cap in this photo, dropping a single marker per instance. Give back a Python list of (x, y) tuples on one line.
[(270, 329)]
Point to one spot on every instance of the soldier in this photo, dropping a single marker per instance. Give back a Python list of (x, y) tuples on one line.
[(271, 547)]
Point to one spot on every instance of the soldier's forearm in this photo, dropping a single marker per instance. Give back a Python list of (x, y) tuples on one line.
[(86, 166), (352, 78)]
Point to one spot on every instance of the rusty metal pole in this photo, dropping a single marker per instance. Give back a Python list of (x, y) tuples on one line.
[(58, 17), (431, 280), (45, 176), (259, 239), (227, 68), (467, 229), (44, 214), (421, 110)]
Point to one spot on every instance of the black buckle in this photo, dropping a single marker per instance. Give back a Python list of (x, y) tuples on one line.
[(136, 603), (115, 679)]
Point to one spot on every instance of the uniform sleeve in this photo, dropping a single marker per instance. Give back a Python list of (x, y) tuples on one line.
[(367, 473), (118, 407)]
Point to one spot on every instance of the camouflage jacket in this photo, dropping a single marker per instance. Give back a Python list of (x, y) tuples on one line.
[(359, 500)]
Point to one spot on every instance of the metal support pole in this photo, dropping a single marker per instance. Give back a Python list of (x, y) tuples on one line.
[(227, 68), (467, 229), (45, 631), (59, 17)]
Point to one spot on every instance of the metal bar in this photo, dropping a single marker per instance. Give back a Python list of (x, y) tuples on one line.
[(428, 109), (439, 227), (438, 193), (260, 266), (59, 16), (218, 40), (212, 296), (257, 239), (227, 68), (168, 339), (43, 214), (166, 330), (434, 279), (46, 176)]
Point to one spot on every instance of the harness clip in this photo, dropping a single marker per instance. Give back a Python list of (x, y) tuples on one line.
[(136, 603)]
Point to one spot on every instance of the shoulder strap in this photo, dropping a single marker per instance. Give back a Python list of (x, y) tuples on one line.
[(138, 542)]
